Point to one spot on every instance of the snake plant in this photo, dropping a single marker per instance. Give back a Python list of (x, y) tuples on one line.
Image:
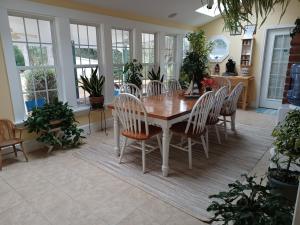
[(94, 85)]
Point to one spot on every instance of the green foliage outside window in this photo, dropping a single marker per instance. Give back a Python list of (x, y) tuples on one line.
[(20, 61)]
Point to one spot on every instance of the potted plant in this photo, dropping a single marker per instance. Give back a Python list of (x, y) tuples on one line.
[(283, 178), (55, 115), (152, 75), (133, 73), (250, 203), (94, 86), (195, 64)]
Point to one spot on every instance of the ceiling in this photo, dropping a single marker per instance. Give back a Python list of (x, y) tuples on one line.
[(157, 9)]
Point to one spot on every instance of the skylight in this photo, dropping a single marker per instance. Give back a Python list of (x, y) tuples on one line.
[(214, 11)]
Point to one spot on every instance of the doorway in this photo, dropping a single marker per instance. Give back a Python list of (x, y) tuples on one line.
[(276, 57)]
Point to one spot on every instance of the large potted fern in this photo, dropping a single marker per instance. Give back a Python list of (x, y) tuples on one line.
[(94, 86), (152, 75)]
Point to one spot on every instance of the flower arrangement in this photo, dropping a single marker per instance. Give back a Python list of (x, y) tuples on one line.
[(209, 84)]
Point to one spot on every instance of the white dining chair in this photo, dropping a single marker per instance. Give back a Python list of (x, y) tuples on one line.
[(131, 89), (214, 114), (133, 118), (223, 81), (195, 127), (173, 85), (229, 107), (155, 87)]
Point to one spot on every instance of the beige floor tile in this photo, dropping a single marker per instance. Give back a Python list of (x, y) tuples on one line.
[(158, 209), (180, 218), (22, 214), (138, 217), (4, 187), (9, 200)]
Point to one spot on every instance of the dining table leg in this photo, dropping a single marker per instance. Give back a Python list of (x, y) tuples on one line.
[(165, 150), (116, 134)]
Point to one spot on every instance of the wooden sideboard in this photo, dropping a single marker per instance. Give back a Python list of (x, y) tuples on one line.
[(247, 81)]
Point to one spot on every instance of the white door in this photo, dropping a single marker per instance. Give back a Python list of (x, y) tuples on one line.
[(275, 63)]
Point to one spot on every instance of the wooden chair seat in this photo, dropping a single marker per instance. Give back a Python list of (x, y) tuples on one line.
[(11, 142), (179, 128), (153, 130)]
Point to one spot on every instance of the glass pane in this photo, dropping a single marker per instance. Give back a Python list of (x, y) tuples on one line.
[(17, 28), (52, 96), (278, 42), (152, 40), (151, 56), (93, 55), (118, 74), (41, 95), (276, 55), (32, 30), (84, 53), (21, 54), (287, 41), (39, 79), (126, 55), (74, 33), (83, 38), (143, 40), (45, 31), (274, 68), (92, 35), (285, 55), (47, 54), (77, 55), (35, 58), (119, 38), (117, 56), (113, 37), (51, 78), (27, 82), (126, 38)]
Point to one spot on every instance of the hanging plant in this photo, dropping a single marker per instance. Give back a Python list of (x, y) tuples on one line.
[(239, 13)]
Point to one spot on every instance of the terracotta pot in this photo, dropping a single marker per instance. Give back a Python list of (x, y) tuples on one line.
[(97, 102)]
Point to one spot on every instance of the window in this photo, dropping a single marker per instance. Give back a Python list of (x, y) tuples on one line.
[(185, 47), (85, 54), (33, 49), (170, 56), (120, 53), (148, 55)]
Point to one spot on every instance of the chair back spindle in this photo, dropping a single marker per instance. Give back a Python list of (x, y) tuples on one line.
[(200, 113), (131, 89), (220, 96), (155, 87), (173, 85), (223, 81), (230, 104), (131, 113)]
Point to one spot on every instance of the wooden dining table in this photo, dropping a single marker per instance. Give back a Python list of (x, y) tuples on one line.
[(163, 111)]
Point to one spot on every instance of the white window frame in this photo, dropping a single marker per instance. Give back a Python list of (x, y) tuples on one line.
[(19, 68), (174, 62), (121, 81), (84, 100), (149, 65)]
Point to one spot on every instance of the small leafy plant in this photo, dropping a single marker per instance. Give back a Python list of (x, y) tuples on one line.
[(250, 203), (133, 73), (94, 85), (57, 114), (152, 75), (287, 143)]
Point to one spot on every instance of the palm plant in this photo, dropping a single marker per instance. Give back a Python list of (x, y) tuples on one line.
[(238, 13), (152, 75), (94, 85)]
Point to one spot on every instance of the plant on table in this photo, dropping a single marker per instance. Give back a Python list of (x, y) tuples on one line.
[(55, 115), (152, 75), (133, 73), (94, 86), (250, 203), (287, 150), (195, 64)]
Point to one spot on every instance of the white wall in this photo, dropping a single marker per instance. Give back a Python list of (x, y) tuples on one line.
[(61, 18)]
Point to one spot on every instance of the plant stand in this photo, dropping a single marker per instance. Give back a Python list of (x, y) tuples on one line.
[(55, 132), (102, 116)]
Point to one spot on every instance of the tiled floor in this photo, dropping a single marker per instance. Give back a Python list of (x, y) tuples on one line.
[(61, 189)]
